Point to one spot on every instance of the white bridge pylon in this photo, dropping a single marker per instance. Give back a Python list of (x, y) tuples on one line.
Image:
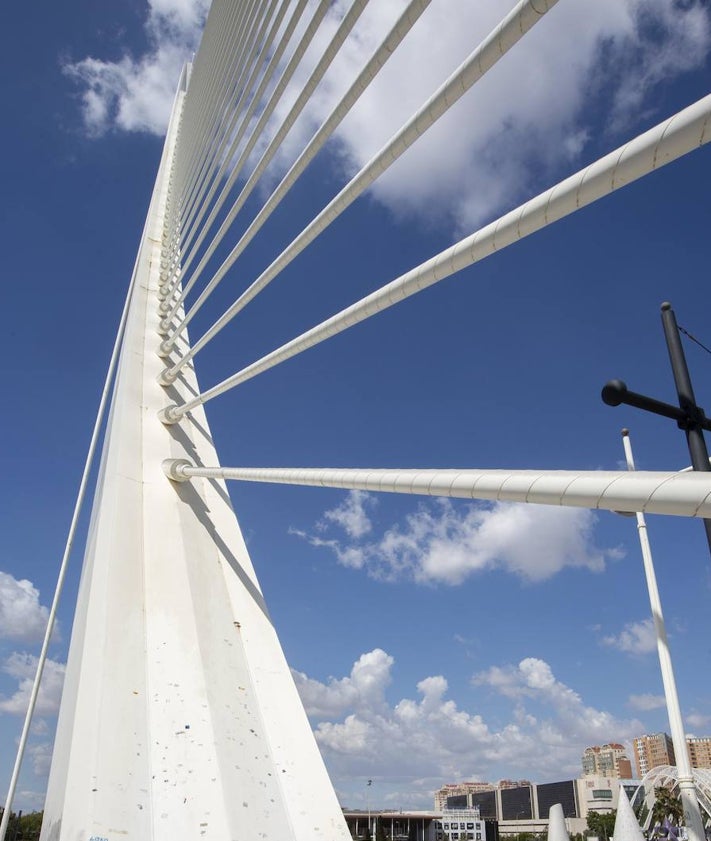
[(179, 718)]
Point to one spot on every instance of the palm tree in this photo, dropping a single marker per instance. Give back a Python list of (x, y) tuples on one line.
[(667, 806)]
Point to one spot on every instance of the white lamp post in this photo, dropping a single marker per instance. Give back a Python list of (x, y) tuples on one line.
[(690, 805)]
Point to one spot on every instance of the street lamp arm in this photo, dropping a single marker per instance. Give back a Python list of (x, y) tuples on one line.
[(615, 392)]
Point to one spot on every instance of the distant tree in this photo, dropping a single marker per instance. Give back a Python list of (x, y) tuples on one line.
[(667, 805), (379, 831), (601, 824)]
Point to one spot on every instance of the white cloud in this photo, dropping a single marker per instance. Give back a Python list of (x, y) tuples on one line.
[(452, 742), (696, 719), (41, 756), (351, 515), (528, 111), (634, 638), (136, 93), (22, 617), (444, 543), (646, 702), (363, 688), (22, 668)]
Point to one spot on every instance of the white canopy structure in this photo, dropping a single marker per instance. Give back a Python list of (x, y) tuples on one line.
[(667, 775)]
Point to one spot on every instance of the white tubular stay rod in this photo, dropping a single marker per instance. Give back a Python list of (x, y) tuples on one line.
[(268, 109), (223, 113), (692, 814), (220, 160), (512, 28), (667, 141), (207, 86), (378, 60), (345, 27), (682, 494), (205, 109)]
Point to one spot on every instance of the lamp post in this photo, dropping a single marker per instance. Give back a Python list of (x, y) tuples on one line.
[(687, 790), (688, 414), (367, 795)]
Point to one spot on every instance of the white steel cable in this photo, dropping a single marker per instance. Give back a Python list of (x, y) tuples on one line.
[(343, 29), (210, 95), (269, 72), (378, 60), (201, 91), (676, 136), (653, 492), (251, 47), (197, 206), (222, 20), (211, 92), (512, 28), (177, 269)]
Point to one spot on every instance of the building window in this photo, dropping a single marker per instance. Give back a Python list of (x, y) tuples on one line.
[(470, 826), (602, 794), (478, 836)]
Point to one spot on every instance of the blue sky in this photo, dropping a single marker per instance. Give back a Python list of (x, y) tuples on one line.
[(431, 642)]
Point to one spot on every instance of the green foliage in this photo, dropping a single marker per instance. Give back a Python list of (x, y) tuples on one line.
[(667, 805), (25, 827), (601, 824), (379, 831)]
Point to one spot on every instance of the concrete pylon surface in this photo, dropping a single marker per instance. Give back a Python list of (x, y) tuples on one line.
[(626, 825), (180, 720), (556, 824)]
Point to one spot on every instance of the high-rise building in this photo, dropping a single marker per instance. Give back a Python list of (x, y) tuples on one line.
[(652, 750), (606, 761), (457, 790), (699, 751)]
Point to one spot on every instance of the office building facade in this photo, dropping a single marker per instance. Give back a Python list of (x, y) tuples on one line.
[(652, 750), (606, 761)]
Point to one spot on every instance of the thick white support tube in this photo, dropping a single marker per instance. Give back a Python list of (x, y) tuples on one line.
[(378, 60), (512, 28), (267, 111), (687, 790), (682, 494), (662, 144)]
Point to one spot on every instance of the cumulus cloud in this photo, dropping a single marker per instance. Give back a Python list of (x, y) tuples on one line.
[(22, 617), (695, 719), (530, 107), (363, 688), (22, 668), (357, 729), (351, 515), (445, 543), (634, 638), (646, 702), (136, 93), (41, 756), (533, 105)]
